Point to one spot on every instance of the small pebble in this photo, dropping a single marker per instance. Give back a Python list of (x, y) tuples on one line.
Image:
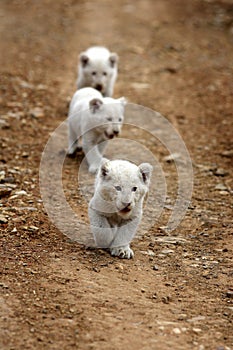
[(196, 330), (182, 317), (176, 331), (167, 251), (5, 191), (96, 269), (220, 172), (228, 153), (3, 219), (172, 157), (8, 179), (166, 299), (37, 112), (223, 193), (221, 187), (33, 228), (229, 294), (119, 267)]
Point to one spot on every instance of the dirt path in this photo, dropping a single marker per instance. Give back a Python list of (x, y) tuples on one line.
[(175, 57)]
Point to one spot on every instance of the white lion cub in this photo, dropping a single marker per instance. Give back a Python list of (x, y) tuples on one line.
[(98, 69), (96, 119), (115, 210)]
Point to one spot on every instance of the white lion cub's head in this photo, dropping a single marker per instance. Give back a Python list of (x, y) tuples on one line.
[(108, 115), (122, 186), (98, 67)]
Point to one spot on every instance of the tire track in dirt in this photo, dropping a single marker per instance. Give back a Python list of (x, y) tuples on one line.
[(94, 33)]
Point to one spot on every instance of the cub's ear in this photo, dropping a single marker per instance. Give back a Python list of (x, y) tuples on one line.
[(104, 168), (113, 59), (122, 100), (95, 104), (84, 59), (145, 172)]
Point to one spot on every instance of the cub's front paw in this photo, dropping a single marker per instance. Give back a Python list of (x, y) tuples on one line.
[(124, 252)]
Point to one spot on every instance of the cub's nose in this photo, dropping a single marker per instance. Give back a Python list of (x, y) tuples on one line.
[(126, 204), (116, 132), (99, 87)]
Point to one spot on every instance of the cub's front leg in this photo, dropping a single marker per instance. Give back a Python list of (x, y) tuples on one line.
[(102, 232), (109, 90), (101, 146), (92, 152), (120, 246)]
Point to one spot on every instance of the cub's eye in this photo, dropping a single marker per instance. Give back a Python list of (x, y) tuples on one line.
[(134, 189), (93, 73), (109, 119), (118, 188), (120, 119), (104, 73)]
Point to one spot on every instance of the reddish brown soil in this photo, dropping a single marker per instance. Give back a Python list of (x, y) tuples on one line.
[(175, 57)]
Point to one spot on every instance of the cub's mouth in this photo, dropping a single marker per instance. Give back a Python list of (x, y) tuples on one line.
[(125, 210), (99, 87), (108, 136)]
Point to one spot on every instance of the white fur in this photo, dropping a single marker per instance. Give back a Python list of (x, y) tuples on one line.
[(96, 119), (116, 208), (98, 69)]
